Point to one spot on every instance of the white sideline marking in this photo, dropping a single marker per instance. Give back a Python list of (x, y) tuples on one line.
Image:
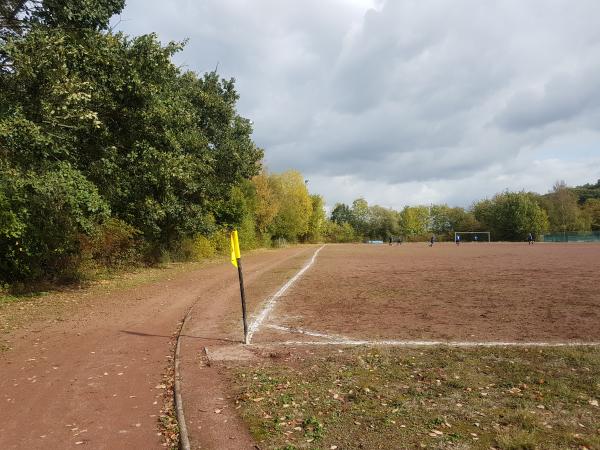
[(393, 343), (343, 340), (270, 303)]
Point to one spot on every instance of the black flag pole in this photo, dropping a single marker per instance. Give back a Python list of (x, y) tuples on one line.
[(236, 260)]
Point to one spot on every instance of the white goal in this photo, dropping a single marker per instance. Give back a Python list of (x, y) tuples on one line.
[(472, 236)]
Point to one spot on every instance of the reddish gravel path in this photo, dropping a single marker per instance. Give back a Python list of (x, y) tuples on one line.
[(94, 380)]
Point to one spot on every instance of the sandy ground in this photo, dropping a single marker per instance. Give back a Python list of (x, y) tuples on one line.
[(475, 292), (94, 379)]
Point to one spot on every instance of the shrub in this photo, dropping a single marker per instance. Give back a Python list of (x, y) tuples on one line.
[(203, 248), (43, 217), (220, 241), (114, 244)]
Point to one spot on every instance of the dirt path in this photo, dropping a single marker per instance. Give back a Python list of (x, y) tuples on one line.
[(94, 380)]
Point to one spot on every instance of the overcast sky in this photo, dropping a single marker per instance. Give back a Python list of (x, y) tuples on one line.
[(404, 102)]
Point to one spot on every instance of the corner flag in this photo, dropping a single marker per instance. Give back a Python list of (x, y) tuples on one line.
[(236, 260), (235, 247)]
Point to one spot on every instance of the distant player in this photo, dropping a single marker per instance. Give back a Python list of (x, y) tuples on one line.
[(390, 240), (476, 238), (431, 241), (530, 239), (457, 239)]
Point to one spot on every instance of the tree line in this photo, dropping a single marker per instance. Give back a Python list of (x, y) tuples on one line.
[(111, 155), (508, 216)]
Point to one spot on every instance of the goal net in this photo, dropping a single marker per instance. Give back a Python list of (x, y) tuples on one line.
[(473, 236)]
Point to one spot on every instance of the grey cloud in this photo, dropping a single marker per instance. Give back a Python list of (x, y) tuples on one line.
[(565, 97), (440, 98)]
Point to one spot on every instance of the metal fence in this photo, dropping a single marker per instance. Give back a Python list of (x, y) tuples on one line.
[(573, 236)]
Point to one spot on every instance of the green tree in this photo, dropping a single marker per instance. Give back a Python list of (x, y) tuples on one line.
[(511, 216), (44, 215), (316, 223), (383, 223), (587, 191), (164, 149), (360, 217), (339, 232), (341, 213), (563, 211), (414, 221), (266, 204), (295, 206), (440, 221), (591, 207)]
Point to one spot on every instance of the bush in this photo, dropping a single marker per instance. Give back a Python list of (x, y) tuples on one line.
[(114, 244), (247, 234), (220, 241), (335, 232), (44, 216), (203, 248)]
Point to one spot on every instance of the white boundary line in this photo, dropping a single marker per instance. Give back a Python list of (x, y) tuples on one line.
[(271, 301), (392, 343), (343, 340)]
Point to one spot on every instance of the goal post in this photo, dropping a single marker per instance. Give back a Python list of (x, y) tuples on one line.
[(473, 236)]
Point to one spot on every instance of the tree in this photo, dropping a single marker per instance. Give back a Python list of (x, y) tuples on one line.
[(44, 215), (591, 207), (341, 213), (18, 17), (463, 220), (383, 223), (440, 221), (360, 216), (316, 223), (563, 211), (267, 204), (295, 206), (587, 191), (164, 149), (339, 232), (414, 221), (511, 216)]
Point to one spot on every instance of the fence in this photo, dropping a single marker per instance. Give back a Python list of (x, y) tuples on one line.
[(573, 236)]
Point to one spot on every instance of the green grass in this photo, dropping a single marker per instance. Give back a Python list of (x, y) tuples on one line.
[(437, 398)]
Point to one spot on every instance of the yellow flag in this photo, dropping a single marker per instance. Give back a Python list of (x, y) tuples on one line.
[(236, 244), (235, 247), (232, 246)]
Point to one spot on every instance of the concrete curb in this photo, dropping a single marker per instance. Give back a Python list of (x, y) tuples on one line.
[(184, 441)]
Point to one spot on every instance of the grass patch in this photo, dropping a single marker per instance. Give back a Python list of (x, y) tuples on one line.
[(500, 398)]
